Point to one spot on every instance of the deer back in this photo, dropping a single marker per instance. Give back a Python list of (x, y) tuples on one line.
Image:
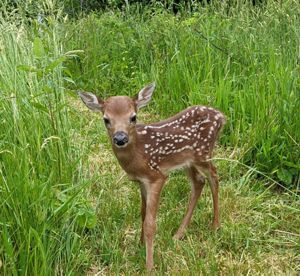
[(187, 137)]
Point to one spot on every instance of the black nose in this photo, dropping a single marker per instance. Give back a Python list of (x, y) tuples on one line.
[(120, 138)]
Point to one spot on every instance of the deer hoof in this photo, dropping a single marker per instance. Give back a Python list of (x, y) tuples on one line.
[(178, 236), (216, 226)]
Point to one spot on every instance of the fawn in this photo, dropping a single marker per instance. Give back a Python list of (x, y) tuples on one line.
[(149, 152)]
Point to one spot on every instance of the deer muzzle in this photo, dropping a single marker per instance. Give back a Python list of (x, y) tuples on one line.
[(120, 139)]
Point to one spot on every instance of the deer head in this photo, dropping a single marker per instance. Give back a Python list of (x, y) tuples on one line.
[(119, 113)]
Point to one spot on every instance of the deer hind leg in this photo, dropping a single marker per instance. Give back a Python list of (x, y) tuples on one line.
[(211, 172), (197, 181)]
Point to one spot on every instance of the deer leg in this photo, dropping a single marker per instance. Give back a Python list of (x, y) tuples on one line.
[(197, 181), (143, 212), (214, 186), (152, 202)]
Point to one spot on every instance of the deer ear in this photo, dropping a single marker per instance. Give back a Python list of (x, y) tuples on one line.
[(91, 101), (144, 96)]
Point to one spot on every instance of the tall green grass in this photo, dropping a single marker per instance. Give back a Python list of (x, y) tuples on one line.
[(242, 60), (42, 210)]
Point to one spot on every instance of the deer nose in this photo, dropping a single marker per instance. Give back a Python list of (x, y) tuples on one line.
[(120, 138)]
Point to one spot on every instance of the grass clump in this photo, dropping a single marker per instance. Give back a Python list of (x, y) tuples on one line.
[(41, 180)]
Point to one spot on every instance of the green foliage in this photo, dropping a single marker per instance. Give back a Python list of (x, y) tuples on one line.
[(28, 11), (245, 63), (39, 165)]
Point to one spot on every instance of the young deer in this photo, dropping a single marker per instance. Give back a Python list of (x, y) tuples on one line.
[(149, 152)]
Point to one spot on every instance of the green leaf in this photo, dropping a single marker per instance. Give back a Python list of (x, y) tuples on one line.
[(55, 63), (67, 72), (285, 176), (40, 107), (38, 47), (67, 79), (86, 218), (47, 89), (73, 53), (26, 68), (291, 164), (71, 93)]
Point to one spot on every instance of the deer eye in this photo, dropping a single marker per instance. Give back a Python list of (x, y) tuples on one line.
[(133, 119), (106, 121)]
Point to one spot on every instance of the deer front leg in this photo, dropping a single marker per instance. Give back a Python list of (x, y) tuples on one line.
[(152, 202), (143, 211)]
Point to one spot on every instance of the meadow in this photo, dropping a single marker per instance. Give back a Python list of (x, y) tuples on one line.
[(67, 207)]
